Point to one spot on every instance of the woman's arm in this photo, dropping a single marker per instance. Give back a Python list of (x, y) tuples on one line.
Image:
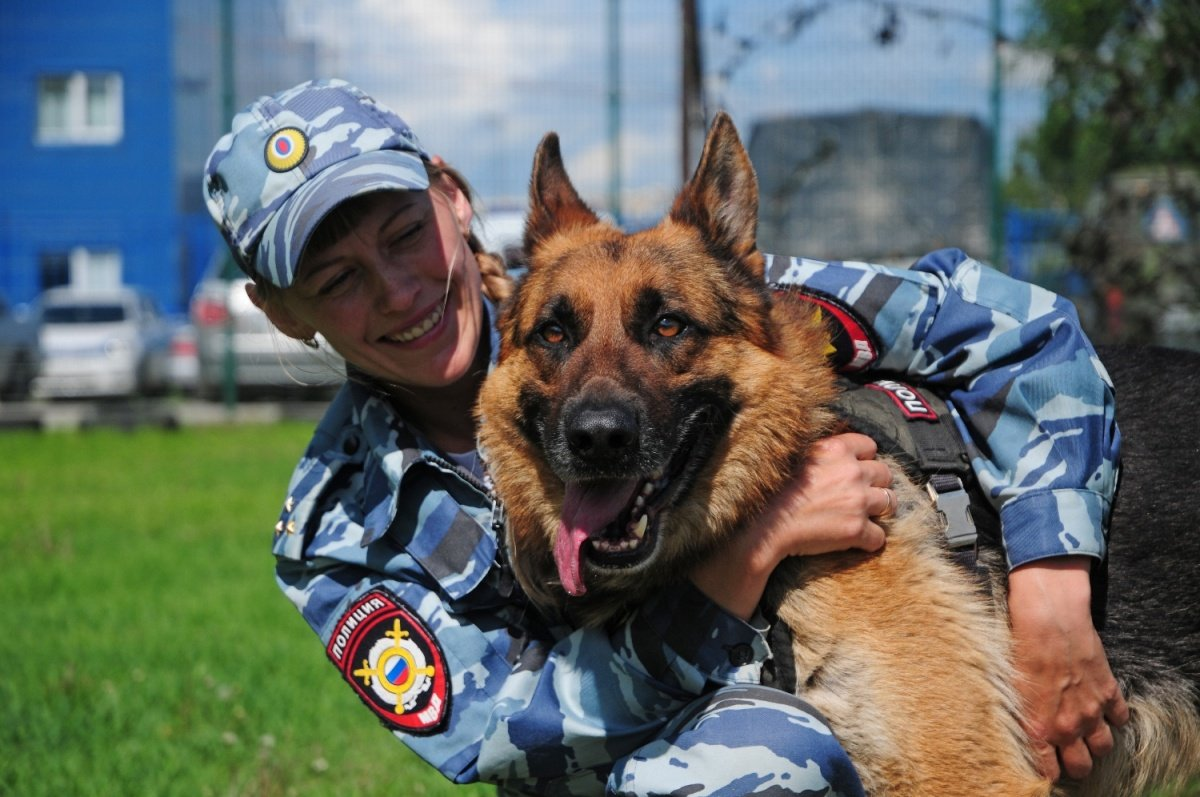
[(1069, 690), (1037, 412)]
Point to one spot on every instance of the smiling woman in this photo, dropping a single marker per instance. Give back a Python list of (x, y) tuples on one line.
[(393, 295)]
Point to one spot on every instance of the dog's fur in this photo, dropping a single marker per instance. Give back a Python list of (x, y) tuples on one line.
[(660, 356)]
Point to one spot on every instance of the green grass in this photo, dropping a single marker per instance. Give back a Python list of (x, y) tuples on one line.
[(144, 646)]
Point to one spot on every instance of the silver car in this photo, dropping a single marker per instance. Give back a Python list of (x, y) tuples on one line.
[(237, 347), (100, 343)]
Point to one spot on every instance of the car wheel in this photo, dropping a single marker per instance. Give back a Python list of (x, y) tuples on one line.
[(20, 378)]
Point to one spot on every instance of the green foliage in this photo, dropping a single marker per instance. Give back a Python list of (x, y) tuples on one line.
[(145, 647), (1124, 91)]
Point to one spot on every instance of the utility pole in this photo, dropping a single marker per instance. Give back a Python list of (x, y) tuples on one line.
[(997, 200), (614, 108), (691, 116), (229, 365)]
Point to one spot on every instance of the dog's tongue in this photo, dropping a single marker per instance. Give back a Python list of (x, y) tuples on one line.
[(587, 509)]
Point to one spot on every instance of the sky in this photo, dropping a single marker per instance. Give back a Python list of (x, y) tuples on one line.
[(481, 81)]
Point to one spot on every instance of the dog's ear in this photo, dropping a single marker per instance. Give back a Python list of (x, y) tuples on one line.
[(553, 202), (721, 199)]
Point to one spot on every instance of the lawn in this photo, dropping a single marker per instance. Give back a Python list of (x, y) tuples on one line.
[(144, 647)]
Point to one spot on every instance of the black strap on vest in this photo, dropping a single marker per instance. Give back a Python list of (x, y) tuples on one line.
[(914, 426)]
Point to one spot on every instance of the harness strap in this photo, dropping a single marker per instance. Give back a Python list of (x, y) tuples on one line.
[(915, 427), (954, 505)]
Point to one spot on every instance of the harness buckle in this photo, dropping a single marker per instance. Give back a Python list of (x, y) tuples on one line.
[(950, 499)]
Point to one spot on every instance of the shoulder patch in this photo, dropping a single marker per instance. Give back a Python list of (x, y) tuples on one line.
[(854, 346), (386, 652)]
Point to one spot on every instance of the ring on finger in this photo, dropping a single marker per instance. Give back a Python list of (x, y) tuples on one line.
[(891, 502)]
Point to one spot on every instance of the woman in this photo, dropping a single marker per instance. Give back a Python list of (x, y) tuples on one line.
[(389, 538)]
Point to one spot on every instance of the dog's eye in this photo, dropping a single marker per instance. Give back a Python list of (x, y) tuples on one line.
[(669, 326), (551, 333)]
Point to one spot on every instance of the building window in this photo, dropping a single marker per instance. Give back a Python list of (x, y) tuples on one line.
[(81, 268), (80, 108)]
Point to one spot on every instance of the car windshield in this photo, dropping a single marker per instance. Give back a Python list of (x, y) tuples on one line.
[(84, 314)]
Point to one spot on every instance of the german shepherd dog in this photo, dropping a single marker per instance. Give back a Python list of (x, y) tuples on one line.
[(652, 393)]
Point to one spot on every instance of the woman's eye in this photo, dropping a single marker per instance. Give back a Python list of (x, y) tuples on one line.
[(334, 284), (406, 236), (669, 326), (552, 333)]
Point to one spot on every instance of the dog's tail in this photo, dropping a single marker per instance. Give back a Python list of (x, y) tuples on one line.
[(1158, 750)]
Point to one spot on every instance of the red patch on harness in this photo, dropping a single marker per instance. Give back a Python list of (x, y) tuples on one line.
[(911, 403), (394, 663)]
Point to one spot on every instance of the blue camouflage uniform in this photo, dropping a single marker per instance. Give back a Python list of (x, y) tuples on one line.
[(390, 548), (670, 702)]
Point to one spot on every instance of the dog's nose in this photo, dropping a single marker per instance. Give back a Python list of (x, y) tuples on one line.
[(601, 434)]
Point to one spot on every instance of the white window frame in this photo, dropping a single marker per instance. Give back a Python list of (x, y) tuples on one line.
[(95, 269), (80, 108)]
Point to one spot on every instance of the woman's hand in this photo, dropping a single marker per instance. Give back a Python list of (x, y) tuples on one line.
[(1072, 701), (830, 506)]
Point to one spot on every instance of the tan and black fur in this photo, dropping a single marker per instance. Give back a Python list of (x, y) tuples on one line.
[(660, 357)]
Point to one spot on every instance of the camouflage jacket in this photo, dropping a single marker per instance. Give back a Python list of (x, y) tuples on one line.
[(1034, 404), (390, 550)]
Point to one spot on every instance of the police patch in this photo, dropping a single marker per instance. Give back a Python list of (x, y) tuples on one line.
[(393, 662), (907, 398), (853, 345)]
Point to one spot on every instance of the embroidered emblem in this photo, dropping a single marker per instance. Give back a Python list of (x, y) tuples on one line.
[(911, 403), (393, 662), (285, 149), (853, 347)]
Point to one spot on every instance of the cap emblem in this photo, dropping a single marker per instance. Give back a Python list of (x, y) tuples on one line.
[(285, 149)]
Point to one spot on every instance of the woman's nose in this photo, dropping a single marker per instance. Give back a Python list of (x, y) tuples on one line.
[(397, 288)]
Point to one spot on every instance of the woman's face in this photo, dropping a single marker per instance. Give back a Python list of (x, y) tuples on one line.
[(399, 296)]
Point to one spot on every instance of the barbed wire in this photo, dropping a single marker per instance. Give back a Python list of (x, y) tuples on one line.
[(787, 25)]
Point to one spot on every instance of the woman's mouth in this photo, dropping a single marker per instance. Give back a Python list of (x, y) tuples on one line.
[(417, 330)]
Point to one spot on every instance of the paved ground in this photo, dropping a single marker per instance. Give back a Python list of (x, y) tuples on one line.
[(164, 413)]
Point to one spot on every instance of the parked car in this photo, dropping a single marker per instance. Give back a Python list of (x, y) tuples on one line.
[(19, 353), (101, 343), (183, 364), (264, 360)]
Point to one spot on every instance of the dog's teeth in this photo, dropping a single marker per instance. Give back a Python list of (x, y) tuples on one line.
[(639, 502), (648, 489), (639, 530)]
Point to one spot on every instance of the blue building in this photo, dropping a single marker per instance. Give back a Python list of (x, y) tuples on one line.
[(107, 111)]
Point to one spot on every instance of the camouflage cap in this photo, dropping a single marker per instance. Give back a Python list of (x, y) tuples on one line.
[(293, 157)]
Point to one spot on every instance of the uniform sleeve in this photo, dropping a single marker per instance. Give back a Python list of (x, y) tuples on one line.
[(499, 695), (1027, 390)]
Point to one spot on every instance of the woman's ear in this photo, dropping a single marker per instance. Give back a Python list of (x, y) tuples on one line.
[(279, 315)]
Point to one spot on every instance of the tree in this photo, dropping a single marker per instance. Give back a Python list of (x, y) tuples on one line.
[(1124, 91), (1119, 151)]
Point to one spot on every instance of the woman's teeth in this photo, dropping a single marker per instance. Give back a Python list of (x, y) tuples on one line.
[(414, 332)]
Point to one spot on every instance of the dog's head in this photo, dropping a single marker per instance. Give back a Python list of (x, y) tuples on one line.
[(650, 392)]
